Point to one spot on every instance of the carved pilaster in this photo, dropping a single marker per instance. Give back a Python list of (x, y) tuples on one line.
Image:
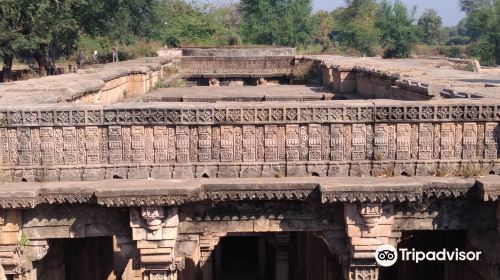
[(155, 231), (362, 272), (368, 225), (207, 245)]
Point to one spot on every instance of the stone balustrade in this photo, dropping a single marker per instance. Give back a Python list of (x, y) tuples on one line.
[(269, 139)]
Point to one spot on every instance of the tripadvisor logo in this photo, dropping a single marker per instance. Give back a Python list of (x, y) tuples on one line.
[(386, 255)]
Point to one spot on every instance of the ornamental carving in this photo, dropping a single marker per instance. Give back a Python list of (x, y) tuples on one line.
[(153, 217)]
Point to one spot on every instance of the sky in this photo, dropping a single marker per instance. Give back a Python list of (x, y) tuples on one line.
[(447, 9)]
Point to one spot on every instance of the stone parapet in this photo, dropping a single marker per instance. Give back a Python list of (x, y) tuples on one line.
[(332, 138)]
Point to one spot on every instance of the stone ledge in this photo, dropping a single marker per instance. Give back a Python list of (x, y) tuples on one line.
[(116, 193)]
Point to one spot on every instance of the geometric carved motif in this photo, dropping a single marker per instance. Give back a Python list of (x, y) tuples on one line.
[(491, 140), (314, 142), (115, 144), (92, 144), (447, 141), (469, 140), (24, 145), (138, 142), (227, 144), (359, 142), (292, 143), (271, 143), (204, 143), (381, 140), (403, 141), (160, 144), (337, 142), (248, 143), (425, 141), (182, 143)]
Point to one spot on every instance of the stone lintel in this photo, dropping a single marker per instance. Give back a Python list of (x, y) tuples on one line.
[(122, 193)]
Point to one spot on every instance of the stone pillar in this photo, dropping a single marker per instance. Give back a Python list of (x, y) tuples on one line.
[(154, 229), (368, 225), (207, 245), (282, 256), (17, 251)]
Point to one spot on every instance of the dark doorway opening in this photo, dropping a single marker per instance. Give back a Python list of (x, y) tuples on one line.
[(77, 259), (244, 258)]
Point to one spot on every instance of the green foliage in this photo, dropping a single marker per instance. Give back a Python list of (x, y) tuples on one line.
[(458, 40), (354, 26), (322, 26), (483, 25), (179, 23), (430, 24), (398, 33), (276, 22)]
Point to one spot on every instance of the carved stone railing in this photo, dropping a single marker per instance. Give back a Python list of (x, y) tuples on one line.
[(269, 139), (195, 66)]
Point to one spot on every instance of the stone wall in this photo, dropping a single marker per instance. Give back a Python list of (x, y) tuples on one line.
[(263, 66), (334, 138)]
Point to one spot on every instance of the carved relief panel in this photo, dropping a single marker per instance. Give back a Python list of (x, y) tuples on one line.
[(160, 144), (138, 142), (171, 149), (491, 140), (314, 142), (358, 142), (24, 146), (69, 145), (47, 145), (403, 139), (292, 143), (92, 145), (248, 143), (204, 143), (447, 141), (115, 144), (182, 143), (227, 144), (381, 142), (271, 142), (425, 141), (5, 146), (469, 140), (337, 142)]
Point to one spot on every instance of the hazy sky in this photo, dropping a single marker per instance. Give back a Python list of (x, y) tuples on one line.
[(447, 9)]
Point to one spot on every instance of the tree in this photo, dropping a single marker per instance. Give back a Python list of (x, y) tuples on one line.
[(398, 33), (179, 23), (39, 25), (354, 25), (483, 25), (276, 22), (323, 24), (430, 24)]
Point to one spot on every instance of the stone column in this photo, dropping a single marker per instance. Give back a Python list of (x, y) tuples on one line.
[(155, 230), (282, 256), (17, 251), (207, 245), (368, 225)]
